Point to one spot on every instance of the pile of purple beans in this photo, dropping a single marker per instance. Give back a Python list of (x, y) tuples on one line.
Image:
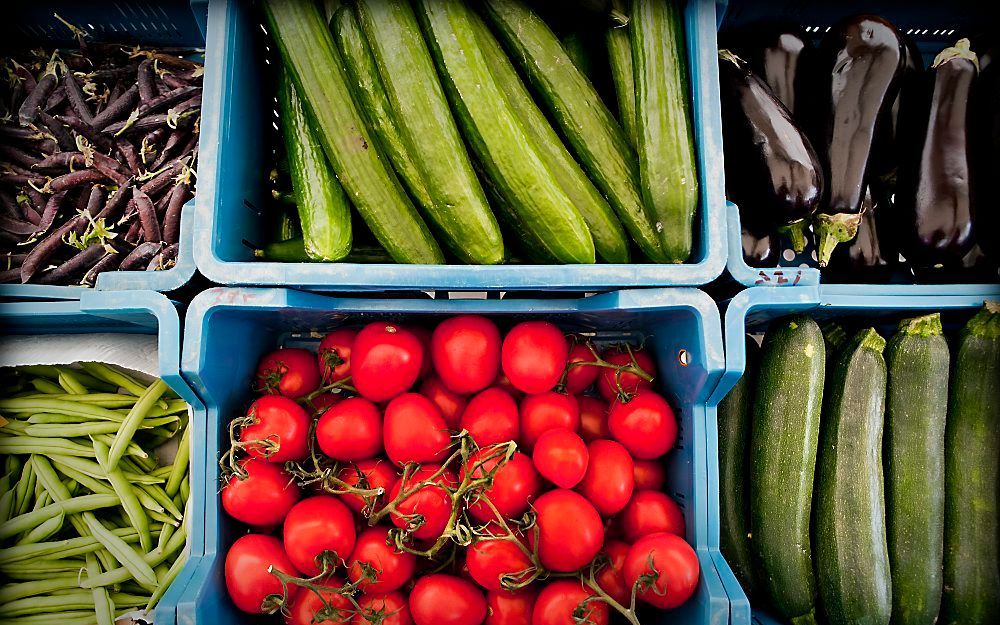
[(97, 157)]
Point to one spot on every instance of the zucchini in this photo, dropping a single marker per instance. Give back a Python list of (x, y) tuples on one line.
[(787, 403), (972, 453), (620, 58), (852, 558), (609, 238), (915, 414), (316, 69), (499, 141), (458, 207), (665, 141), (596, 139)]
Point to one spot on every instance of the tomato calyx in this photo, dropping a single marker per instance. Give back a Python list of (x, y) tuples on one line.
[(267, 446), (343, 384), (648, 580), (633, 368), (325, 472), (271, 379)]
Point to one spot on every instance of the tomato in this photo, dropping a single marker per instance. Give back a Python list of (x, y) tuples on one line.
[(247, 578), (651, 512), (466, 353), (378, 473), (488, 559), (564, 602), (510, 608), (450, 404), (534, 355), (263, 497), (580, 377), (593, 418), (570, 531), (611, 577), (389, 569), (385, 361), (515, 485), (446, 600), (315, 527), (630, 383), (676, 563), (610, 477), (414, 430), (323, 401), (288, 371), (491, 417), (547, 411), (334, 354), (432, 502), (649, 475), (503, 382), (424, 336), (280, 425), (351, 430), (389, 609), (561, 457), (327, 607), (645, 425)]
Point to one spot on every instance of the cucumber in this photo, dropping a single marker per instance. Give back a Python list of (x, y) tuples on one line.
[(665, 141), (292, 250), (458, 207), (852, 558), (734, 470), (576, 49), (916, 408), (787, 404), (609, 238), (324, 211), (499, 141), (316, 69), (972, 453), (596, 139), (620, 58)]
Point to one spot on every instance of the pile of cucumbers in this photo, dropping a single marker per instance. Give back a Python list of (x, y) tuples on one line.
[(464, 132), (859, 476)]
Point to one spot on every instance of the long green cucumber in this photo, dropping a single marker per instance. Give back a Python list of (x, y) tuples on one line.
[(609, 238), (292, 251), (592, 132), (852, 557), (667, 170), (576, 48), (620, 59), (787, 404), (972, 454), (734, 470), (497, 137), (324, 211), (307, 49), (458, 206)]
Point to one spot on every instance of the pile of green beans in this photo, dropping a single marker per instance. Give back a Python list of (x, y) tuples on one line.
[(91, 526)]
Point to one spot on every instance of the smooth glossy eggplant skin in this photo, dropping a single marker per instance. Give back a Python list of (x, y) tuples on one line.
[(870, 257), (772, 171), (889, 142), (761, 251)]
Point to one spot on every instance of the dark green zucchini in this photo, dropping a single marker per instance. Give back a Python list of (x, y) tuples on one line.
[(620, 60)]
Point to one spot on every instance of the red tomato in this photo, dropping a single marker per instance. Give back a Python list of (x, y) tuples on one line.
[(310, 608), (288, 371), (651, 512), (580, 377), (515, 485), (630, 383), (315, 527), (645, 425), (450, 404), (378, 473), (466, 353), (491, 417), (376, 567), (414, 430), (503, 382), (247, 578), (385, 361), (676, 562), (611, 577), (547, 411), (351, 430), (280, 425), (424, 336), (432, 502), (321, 402), (570, 531), (388, 609), (593, 418), (446, 600), (489, 559), (263, 497), (510, 608), (561, 457), (610, 477), (649, 475), (534, 356), (564, 602), (335, 354)]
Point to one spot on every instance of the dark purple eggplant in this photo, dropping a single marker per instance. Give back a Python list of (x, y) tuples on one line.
[(986, 215), (780, 53), (761, 251), (870, 256)]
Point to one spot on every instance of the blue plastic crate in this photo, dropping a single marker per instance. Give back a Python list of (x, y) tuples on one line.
[(135, 312), (228, 330), (750, 311), (146, 22), (235, 160)]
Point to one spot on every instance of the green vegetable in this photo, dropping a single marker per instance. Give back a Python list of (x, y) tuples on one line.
[(132, 422), (576, 50), (620, 59)]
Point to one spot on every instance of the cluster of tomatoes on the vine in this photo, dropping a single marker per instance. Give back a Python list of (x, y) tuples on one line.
[(455, 477)]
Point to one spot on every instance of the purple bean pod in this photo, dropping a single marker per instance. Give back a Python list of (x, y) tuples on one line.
[(27, 78), (164, 260), (19, 133), (52, 208), (86, 131), (55, 99), (140, 256), (61, 160), (10, 260), (109, 262), (146, 79), (75, 179), (171, 146), (172, 218), (77, 99), (117, 108), (10, 206), (76, 265), (10, 275), (147, 216), (19, 180), (16, 226), (32, 215), (47, 246), (18, 156), (168, 99), (37, 199), (29, 108), (162, 180), (58, 129), (134, 233)]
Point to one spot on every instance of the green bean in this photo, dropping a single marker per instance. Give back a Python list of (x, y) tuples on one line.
[(161, 498), (73, 617), (14, 428), (164, 519), (104, 400), (185, 491), (165, 580), (95, 486), (52, 373), (13, 468), (165, 534), (130, 502), (40, 418), (175, 406), (179, 469), (94, 470), (26, 522), (103, 605), (24, 490), (6, 506), (153, 558), (45, 386), (131, 449), (145, 463), (61, 549), (114, 376), (59, 406), (132, 421), (70, 430), (27, 445), (163, 472), (44, 531), (71, 383), (75, 600), (148, 502), (12, 592)]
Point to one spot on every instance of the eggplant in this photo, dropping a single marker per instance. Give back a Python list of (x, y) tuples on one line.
[(761, 251), (781, 55), (871, 256), (986, 217), (890, 143), (772, 171), (857, 81)]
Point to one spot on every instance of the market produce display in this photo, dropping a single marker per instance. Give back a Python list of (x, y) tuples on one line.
[(458, 474), (98, 147), (882, 506), (92, 526)]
